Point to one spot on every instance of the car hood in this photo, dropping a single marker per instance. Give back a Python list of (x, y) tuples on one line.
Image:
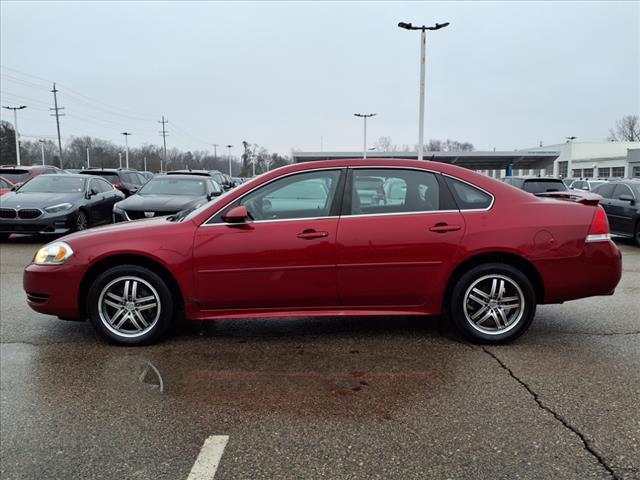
[(160, 202), (37, 200), (132, 230)]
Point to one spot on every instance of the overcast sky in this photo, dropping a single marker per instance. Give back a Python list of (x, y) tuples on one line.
[(285, 74)]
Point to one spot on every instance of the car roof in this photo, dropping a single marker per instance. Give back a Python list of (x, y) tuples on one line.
[(26, 167), (187, 171), (66, 175), (533, 177), (175, 176), (112, 170)]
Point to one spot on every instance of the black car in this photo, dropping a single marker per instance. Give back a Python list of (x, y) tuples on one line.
[(57, 204), (166, 195), (219, 177), (535, 185), (621, 201), (127, 181)]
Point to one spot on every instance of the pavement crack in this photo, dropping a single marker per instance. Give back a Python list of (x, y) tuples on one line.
[(586, 444)]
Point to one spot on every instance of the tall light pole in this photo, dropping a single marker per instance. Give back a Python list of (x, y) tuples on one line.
[(423, 47), (42, 149), (88, 159), (229, 147), (126, 143), (365, 116), (15, 128)]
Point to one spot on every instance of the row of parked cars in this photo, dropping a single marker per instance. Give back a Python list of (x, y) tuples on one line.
[(620, 197), (47, 200)]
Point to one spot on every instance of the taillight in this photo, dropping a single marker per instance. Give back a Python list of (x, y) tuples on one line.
[(599, 229)]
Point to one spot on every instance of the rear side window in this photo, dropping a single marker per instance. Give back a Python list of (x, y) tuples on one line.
[(622, 189), (467, 196), (605, 190)]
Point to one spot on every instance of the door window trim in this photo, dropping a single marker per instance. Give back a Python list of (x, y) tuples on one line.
[(338, 197)]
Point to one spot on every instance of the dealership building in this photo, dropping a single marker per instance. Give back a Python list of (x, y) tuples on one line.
[(604, 159)]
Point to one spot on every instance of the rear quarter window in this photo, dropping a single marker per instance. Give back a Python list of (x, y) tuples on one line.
[(467, 196)]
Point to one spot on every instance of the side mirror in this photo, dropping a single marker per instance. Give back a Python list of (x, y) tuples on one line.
[(627, 198), (238, 214)]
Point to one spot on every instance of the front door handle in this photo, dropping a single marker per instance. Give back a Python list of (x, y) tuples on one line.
[(444, 227), (310, 233)]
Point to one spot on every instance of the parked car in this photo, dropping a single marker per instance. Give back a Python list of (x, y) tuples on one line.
[(166, 195), (57, 204), (147, 175), (5, 185), (586, 185), (217, 176), (536, 184), (460, 242), (621, 202), (19, 174), (127, 181)]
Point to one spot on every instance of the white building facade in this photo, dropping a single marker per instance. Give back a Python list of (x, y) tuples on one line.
[(595, 160)]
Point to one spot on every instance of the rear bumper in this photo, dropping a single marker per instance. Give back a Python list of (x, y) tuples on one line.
[(597, 271), (53, 290)]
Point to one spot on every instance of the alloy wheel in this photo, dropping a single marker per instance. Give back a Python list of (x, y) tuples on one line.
[(81, 222), (494, 304), (129, 306)]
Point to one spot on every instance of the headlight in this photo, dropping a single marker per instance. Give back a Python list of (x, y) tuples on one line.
[(58, 208), (53, 254)]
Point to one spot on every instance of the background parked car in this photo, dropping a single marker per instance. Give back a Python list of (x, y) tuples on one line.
[(621, 202), (217, 176), (127, 181), (147, 175), (166, 195), (5, 185), (586, 185), (536, 184), (57, 204), (18, 174)]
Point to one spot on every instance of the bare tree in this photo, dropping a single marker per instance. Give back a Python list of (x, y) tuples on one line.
[(384, 144), (627, 130)]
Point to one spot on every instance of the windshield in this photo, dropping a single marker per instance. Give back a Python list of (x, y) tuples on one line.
[(544, 185), (174, 186), (54, 184), (15, 175)]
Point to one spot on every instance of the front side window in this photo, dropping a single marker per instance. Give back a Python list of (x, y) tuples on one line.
[(303, 195), (379, 191)]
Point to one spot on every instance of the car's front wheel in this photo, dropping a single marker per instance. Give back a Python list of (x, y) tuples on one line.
[(492, 303), (130, 305), (82, 221)]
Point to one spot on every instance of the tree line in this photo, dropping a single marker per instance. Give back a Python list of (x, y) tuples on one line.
[(106, 154)]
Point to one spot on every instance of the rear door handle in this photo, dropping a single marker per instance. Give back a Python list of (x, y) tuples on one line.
[(309, 234), (444, 228)]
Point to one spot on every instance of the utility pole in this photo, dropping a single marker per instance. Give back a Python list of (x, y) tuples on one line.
[(126, 144), (88, 160), (164, 134), (42, 149), (229, 147), (15, 128), (145, 164), (423, 47), (365, 116), (215, 153), (57, 114), (120, 160)]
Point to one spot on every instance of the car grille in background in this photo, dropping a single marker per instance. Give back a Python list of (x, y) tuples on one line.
[(7, 213), (29, 213), (137, 215), (23, 213)]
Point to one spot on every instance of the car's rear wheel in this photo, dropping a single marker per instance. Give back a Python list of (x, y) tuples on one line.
[(130, 305), (636, 234), (492, 303)]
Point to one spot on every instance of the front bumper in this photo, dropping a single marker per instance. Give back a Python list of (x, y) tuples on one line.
[(47, 223), (53, 289)]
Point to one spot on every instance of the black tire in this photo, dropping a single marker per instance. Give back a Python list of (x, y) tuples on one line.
[(82, 221), (503, 322), (636, 234), (150, 285)]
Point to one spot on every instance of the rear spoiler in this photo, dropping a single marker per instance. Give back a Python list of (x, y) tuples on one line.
[(585, 198)]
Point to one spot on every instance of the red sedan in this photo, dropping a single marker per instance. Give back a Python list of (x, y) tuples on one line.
[(5, 185), (348, 237)]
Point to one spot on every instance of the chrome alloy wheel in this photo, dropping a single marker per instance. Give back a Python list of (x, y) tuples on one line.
[(129, 306), (494, 304)]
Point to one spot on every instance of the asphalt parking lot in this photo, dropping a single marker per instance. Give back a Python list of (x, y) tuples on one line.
[(323, 398)]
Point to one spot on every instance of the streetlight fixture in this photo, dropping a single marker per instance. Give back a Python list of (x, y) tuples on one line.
[(15, 127), (364, 116), (423, 46), (229, 147), (126, 143), (42, 142)]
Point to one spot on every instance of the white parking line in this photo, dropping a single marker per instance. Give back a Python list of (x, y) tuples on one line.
[(209, 458)]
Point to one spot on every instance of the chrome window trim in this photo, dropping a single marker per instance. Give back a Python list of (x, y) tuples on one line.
[(342, 217), (206, 224)]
